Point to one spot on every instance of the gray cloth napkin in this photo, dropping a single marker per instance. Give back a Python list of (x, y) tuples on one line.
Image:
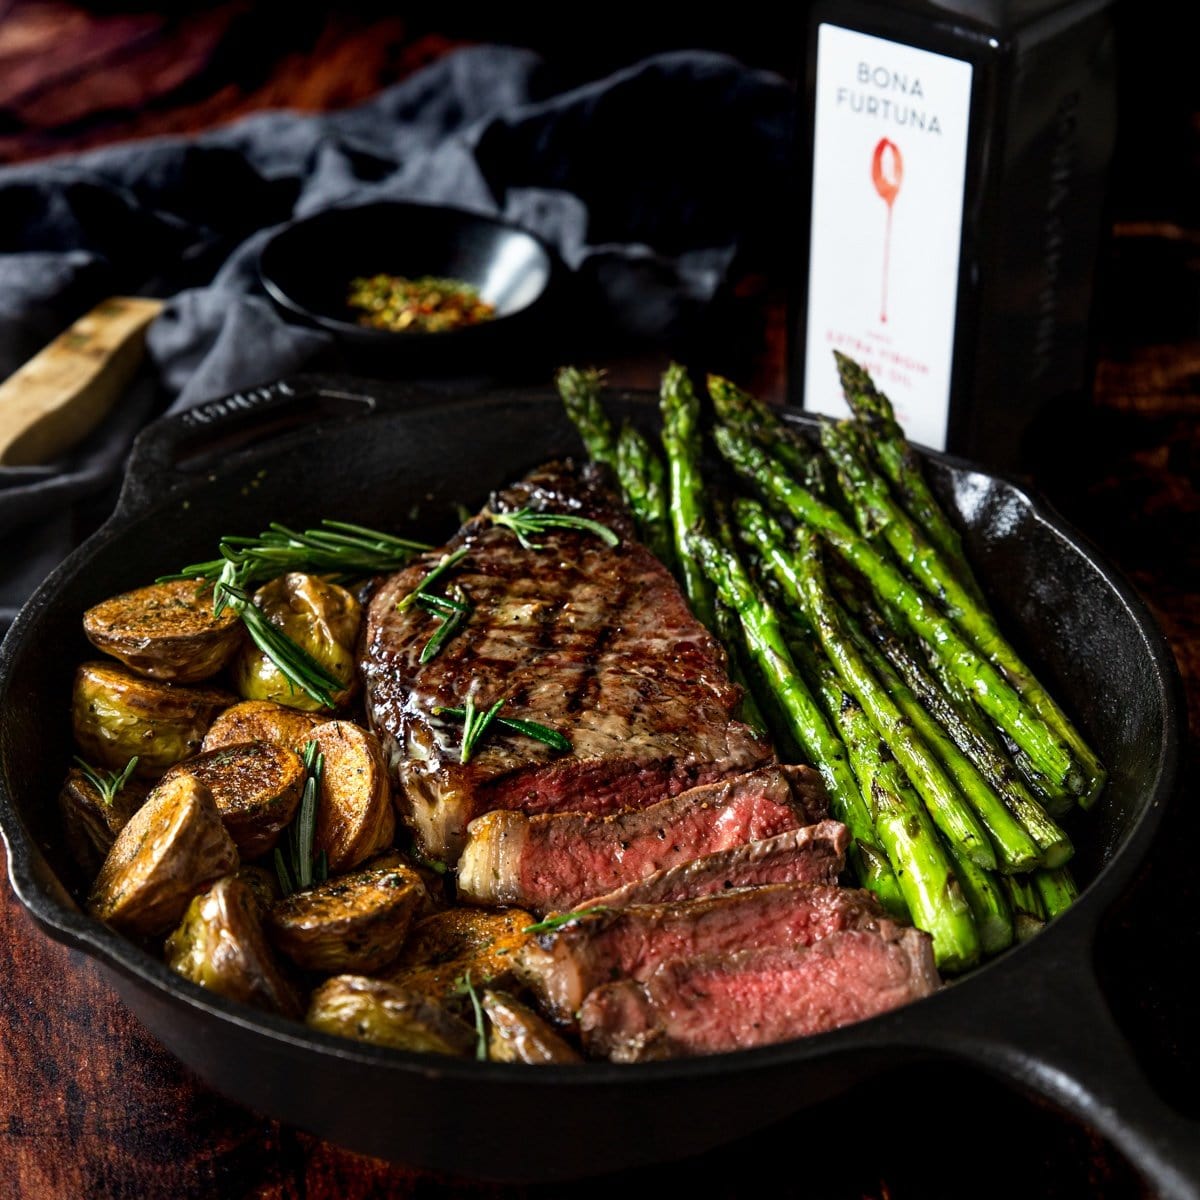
[(647, 183)]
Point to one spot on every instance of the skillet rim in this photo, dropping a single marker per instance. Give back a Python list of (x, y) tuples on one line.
[(908, 1026)]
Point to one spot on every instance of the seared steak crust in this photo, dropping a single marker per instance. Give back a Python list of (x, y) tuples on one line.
[(556, 860), (597, 642), (715, 1003)]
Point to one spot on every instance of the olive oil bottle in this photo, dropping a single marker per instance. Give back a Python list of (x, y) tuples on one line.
[(955, 161)]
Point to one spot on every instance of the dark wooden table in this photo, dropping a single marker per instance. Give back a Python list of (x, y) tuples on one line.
[(90, 1106)]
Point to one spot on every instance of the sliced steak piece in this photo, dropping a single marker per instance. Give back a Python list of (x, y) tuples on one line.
[(554, 861), (595, 641), (564, 964), (812, 854), (715, 1003)]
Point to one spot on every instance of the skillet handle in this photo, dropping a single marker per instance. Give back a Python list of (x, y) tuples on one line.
[(175, 447), (1061, 1041)]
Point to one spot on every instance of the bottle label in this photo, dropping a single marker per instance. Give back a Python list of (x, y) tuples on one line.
[(889, 165)]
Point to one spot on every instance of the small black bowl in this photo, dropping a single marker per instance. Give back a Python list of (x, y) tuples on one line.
[(307, 269)]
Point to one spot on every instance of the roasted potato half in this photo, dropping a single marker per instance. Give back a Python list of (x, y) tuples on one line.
[(517, 1034), (354, 923), (354, 813), (171, 848), (116, 713), (165, 631), (370, 1010), (435, 897), (220, 945), (91, 823), (261, 721), (263, 884), (318, 616), (444, 948), (257, 787)]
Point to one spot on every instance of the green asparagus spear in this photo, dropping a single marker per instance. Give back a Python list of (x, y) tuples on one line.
[(580, 392), (1007, 755), (1029, 913), (1014, 848), (923, 870), (729, 631), (972, 739), (767, 645), (877, 510), (985, 894), (681, 440), (752, 418), (1000, 701), (949, 810), (901, 464), (1057, 889), (643, 479)]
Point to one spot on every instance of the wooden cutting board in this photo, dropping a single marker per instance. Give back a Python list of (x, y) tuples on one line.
[(61, 394)]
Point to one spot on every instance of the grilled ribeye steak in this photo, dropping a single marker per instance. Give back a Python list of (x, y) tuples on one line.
[(563, 965), (715, 1003), (595, 641), (557, 860), (811, 854)]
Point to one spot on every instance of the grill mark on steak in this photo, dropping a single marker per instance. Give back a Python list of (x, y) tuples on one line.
[(565, 964), (595, 641), (556, 860), (711, 1004)]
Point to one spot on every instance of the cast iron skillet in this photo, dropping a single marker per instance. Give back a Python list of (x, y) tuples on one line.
[(396, 459)]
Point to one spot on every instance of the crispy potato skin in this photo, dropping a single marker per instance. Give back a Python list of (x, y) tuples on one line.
[(165, 631), (173, 846), (261, 721), (319, 616), (435, 898), (371, 1010), (441, 949), (517, 1034), (116, 713), (220, 945), (264, 885), (350, 924), (257, 788), (90, 825), (355, 818)]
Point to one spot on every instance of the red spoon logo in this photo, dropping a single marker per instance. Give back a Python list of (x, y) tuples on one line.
[(887, 173)]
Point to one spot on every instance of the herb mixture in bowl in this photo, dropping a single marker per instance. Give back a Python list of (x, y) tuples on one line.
[(428, 304)]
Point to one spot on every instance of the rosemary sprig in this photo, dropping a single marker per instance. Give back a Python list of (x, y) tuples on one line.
[(454, 612), (531, 729), (527, 522), (475, 724), (336, 548), (107, 783), (442, 605), (452, 609), (295, 663), (565, 918), (445, 566), (297, 869), (537, 731), (464, 987)]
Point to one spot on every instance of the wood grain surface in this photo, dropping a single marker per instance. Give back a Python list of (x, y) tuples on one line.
[(91, 1106)]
